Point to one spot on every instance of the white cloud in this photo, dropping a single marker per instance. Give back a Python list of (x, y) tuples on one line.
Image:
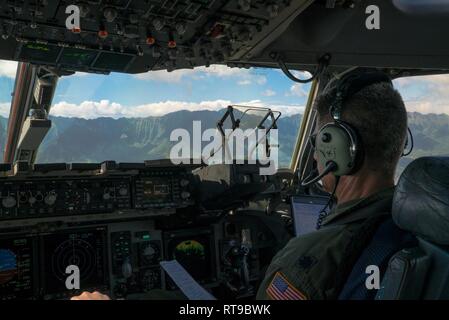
[(261, 80), (297, 89), (177, 75), (222, 70), (269, 93), (245, 82), (8, 68), (4, 109), (164, 76), (106, 108), (81, 74), (289, 110), (425, 94), (428, 106), (245, 76)]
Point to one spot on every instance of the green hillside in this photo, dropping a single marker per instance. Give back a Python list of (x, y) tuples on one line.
[(134, 140)]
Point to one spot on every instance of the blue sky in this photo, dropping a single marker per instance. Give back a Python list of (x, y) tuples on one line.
[(158, 93), (189, 86)]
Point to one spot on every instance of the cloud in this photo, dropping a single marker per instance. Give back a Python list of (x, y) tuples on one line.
[(8, 68), (425, 94), (245, 82), (165, 76), (245, 76), (269, 93), (297, 90), (80, 74), (4, 109), (437, 106), (200, 72), (106, 108), (261, 80)]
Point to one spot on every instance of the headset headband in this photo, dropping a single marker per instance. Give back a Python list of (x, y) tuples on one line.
[(353, 82)]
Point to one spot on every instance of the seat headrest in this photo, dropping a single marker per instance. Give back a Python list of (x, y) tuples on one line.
[(421, 199)]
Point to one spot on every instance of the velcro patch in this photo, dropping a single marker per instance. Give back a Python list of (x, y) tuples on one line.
[(281, 289)]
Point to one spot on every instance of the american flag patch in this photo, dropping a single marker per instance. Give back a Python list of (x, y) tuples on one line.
[(281, 289)]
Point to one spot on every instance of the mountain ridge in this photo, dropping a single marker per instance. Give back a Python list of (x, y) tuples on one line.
[(146, 138)]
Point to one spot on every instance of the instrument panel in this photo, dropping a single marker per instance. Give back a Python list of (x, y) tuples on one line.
[(37, 196), (122, 259), (16, 270), (68, 231)]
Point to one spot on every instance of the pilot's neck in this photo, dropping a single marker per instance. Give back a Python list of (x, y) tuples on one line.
[(361, 186)]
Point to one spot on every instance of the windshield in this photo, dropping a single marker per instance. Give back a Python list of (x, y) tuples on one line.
[(129, 118)]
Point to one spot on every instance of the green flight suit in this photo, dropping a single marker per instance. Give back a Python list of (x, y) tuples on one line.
[(317, 265)]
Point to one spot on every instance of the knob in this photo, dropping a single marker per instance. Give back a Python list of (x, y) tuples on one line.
[(32, 200), (9, 202), (185, 195), (106, 196), (184, 182), (39, 196), (50, 199), (123, 191), (23, 197)]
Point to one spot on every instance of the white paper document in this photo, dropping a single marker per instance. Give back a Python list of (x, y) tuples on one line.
[(192, 289)]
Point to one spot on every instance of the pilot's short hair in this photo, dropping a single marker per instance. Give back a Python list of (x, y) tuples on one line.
[(378, 114)]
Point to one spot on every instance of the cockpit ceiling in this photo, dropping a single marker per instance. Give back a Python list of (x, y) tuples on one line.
[(136, 36), (139, 35)]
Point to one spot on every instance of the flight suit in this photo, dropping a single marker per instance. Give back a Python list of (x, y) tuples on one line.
[(317, 265)]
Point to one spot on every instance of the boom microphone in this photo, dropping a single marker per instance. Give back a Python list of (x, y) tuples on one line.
[(313, 177)]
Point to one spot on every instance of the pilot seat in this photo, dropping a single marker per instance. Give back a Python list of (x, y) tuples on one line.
[(411, 248)]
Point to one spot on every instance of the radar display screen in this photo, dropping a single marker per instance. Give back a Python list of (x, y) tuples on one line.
[(85, 249), (16, 255), (194, 254), (156, 190)]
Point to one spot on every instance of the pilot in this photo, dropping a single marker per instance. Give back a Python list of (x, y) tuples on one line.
[(360, 137), (362, 131)]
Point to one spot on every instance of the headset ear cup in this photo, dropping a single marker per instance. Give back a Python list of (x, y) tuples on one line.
[(357, 147), (338, 142)]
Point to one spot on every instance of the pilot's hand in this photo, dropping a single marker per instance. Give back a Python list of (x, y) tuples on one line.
[(91, 296)]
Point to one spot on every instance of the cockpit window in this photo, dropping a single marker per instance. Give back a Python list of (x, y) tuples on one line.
[(129, 118), (427, 102), (7, 76)]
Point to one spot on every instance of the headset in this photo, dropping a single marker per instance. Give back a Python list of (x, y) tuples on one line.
[(338, 145)]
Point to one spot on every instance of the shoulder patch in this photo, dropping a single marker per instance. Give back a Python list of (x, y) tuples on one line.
[(281, 289)]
